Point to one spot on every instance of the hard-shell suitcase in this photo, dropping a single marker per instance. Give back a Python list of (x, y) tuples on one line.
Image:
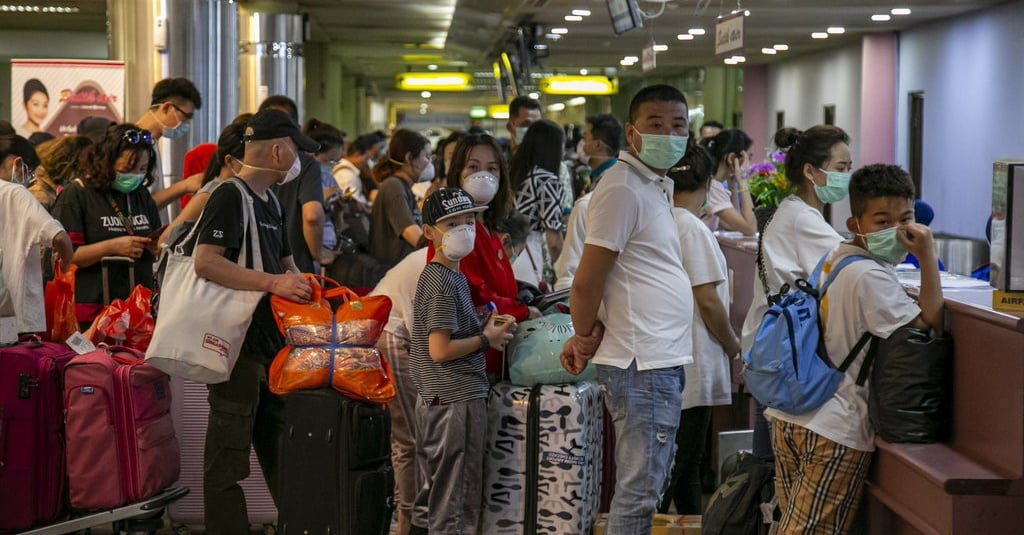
[(120, 437), (190, 409), (542, 468), (336, 477), (31, 433)]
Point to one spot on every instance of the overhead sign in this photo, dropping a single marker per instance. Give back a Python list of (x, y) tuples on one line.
[(729, 34), (54, 95), (648, 59), (578, 85)]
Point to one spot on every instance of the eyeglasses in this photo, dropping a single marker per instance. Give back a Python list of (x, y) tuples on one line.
[(22, 173), (188, 116), (136, 137)]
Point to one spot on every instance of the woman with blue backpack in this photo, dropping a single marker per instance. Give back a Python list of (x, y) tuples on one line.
[(818, 164)]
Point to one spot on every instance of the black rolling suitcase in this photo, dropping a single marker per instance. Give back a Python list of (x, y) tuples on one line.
[(336, 476)]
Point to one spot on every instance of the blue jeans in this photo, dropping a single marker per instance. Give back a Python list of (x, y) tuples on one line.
[(644, 406)]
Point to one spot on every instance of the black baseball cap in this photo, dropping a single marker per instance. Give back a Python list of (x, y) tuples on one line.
[(448, 202), (274, 124)]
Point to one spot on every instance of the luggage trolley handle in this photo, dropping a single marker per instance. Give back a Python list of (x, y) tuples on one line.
[(105, 270)]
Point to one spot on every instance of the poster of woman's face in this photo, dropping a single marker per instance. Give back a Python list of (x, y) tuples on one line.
[(51, 96), (37, 105)]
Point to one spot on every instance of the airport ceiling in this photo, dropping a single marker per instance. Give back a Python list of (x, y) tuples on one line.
[(377, 39)]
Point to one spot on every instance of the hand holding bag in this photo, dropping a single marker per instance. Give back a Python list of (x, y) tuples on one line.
[(201, 324)]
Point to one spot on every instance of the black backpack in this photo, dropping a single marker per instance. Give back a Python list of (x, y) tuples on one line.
[(736, 507)]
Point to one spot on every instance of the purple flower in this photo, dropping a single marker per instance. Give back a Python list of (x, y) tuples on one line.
[(762, 169), (778, 157)]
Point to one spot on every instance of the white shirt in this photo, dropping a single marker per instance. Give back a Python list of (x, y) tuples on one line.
[(708, 377), (796, 239), (864, 297), (572, 248), (399, 283), (647, 305), (24, 226), (347, 176)]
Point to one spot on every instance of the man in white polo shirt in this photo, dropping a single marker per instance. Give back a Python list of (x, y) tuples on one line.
[(632, 306)]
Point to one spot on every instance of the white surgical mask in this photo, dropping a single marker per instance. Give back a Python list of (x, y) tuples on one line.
[(293, 171), (520, 133), (482, 186), (458, 242), (427, 174)]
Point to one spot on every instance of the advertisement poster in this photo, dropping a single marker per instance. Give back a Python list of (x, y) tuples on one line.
[(54, 95)]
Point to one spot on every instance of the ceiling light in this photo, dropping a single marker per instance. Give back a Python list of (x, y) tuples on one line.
[(434, 81), (573, 18), (477, 112), (739, 59), (558, 106), (769, 51), (697, 31), (781, 48), (881, 18), (553, 36), (431, 67), (535, 95), (819, 35), (581, 12), (584, 72), (660, 48), (498, 111), (631, 59), (559, 31), (685, 37), (836, 30), (576, 101), (425, 94), (730, 61), (900, 11), (626, 63), (582, 85)]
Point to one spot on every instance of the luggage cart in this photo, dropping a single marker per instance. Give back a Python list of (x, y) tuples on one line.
[(140, 517)]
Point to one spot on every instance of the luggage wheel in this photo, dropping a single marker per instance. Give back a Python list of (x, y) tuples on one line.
[(181, 529), (269, 529)]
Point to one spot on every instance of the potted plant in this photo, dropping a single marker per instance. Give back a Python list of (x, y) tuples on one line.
[(768, 186)]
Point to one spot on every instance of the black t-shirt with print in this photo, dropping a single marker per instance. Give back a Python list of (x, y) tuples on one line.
[(222, 225), (304, 189), (89, 216)]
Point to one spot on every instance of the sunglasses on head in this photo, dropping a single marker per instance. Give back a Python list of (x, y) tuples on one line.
[(136, 137)]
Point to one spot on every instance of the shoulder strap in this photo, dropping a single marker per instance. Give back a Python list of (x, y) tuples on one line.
[(852, 355), (835, 270), (249, 225), (762, 272), (869, 360)]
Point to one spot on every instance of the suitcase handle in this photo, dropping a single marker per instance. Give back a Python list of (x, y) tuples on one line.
[(105, 273), (118, 354)]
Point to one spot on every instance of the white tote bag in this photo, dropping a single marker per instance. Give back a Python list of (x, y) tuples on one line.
[(200, 325)]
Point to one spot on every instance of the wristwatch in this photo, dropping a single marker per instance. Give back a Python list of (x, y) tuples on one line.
[(485, 343)]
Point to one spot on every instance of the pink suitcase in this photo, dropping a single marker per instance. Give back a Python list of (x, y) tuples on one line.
[(190, 410), (31, 433), (120, 438)]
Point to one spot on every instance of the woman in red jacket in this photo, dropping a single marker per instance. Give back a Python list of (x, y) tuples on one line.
[(479, 168)]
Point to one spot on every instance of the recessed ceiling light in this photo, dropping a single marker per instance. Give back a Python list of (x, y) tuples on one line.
[(697, 31), (584, 72), (660, 48), (573, 18), (900, 11), (553, 36), (781, 47), (534, 95), (836, 30), (685, 37), (559, 31), (881, 18), (739, 59), (769, 51), (730, 61), (819, 35), (431, 67), (425, 94), (558, 106), (581, 12), (576, 101)]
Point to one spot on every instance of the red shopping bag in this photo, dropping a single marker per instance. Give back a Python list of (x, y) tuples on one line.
[(59, 301)]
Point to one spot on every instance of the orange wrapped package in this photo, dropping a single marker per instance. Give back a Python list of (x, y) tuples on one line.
[(336, 351)]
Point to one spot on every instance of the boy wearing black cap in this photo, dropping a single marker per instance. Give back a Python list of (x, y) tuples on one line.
[(242, 410), (446, 358)]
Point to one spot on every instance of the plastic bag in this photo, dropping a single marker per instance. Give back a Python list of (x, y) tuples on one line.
[(59, 301), (332, 349), (127, 323), (535, 350)]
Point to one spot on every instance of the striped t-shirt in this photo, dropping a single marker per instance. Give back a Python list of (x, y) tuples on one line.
[(443, 301)]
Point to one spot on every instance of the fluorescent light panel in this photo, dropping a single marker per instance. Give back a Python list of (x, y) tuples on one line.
[(898, 11), (881, 18)]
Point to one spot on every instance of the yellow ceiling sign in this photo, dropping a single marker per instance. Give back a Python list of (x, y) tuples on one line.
[(579, 85), (434, 81)]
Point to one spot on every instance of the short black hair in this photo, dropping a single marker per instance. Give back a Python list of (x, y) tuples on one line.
[(283, 103), (713, 124), (521, 102), (541, 147), (516, 225), (608, 129), (17, 146), (181, 88), (726, 142), (693, 171), (6, 128), (655, 93), (363, 144), (878, 180), (327, 135)]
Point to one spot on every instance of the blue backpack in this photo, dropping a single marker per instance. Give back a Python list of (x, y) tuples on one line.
[(788, 367)]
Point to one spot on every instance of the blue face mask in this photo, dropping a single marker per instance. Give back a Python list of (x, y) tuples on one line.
[(662, 151), (885, 245), (836, 187), (520, 134), (177, 131), (127, 182)]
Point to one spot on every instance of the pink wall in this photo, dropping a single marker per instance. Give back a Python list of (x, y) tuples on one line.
[(755, 109), (878, 100)]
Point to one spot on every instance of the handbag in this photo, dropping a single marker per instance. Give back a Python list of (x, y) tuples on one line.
[(909, 394), (201, 325)]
